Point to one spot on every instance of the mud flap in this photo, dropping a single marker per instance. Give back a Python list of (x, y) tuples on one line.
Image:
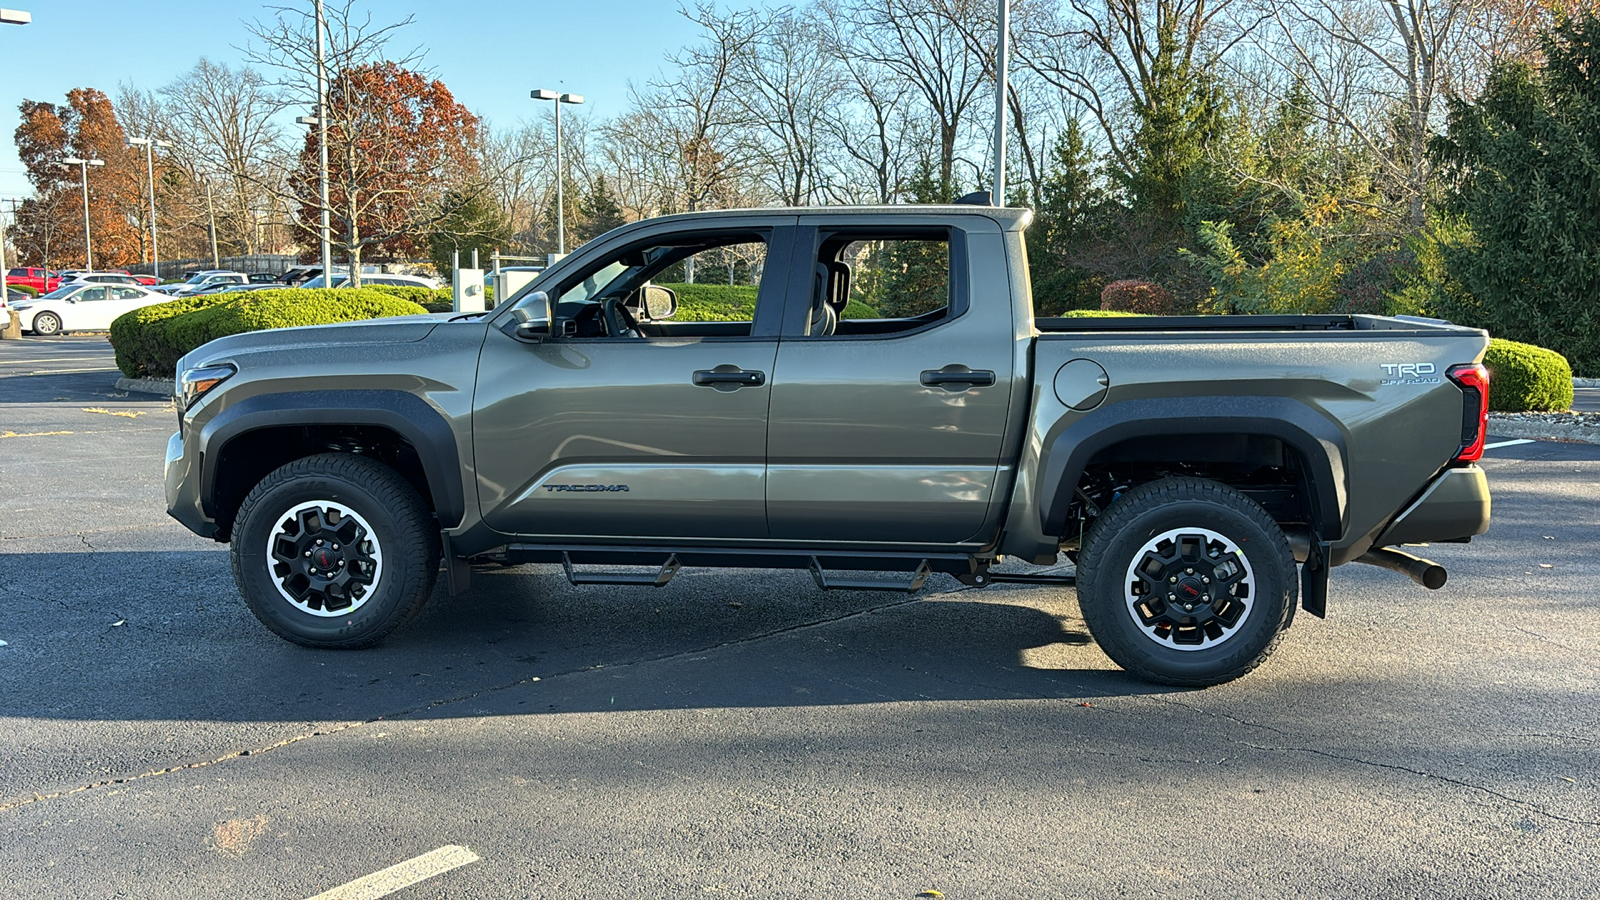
[(458, 574), (1314, 581)]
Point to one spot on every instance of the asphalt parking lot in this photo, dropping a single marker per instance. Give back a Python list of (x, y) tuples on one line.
[(751, 736)]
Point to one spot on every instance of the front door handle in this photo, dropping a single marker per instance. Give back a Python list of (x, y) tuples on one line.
[(957, 378), (729, 378)]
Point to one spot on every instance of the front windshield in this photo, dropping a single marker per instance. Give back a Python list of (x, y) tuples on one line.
[(64, 291), (197, 277)]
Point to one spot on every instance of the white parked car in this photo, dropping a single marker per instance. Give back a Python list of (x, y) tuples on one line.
[(204, 279), (82, 306), (97, 278), (340, 279)]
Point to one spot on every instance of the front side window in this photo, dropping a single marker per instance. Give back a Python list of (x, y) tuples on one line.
[(714, 280)]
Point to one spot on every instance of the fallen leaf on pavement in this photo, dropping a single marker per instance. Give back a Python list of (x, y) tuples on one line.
[(119, 623)]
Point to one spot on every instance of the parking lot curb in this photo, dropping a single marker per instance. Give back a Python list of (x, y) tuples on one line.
[(161, 386)]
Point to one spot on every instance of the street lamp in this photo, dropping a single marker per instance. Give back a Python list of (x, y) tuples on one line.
[(320, 121), (561, 212), (1002, 83), (15, 17), (84, 164), (149, 145)]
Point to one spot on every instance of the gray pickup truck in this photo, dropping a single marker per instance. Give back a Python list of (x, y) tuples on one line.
[(1184, 465)]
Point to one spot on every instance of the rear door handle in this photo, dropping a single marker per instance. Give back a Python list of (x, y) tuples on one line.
[(950, 376), (729, 378)]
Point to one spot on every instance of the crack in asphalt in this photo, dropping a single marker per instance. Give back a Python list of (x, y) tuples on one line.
[(435, 704), (1329, 754)]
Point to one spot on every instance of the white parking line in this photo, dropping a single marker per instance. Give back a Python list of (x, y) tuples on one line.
[(402, 875), (1498, 444)]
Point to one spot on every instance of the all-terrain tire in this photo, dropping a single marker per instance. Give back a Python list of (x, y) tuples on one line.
[(334, 551), (1144, 559)]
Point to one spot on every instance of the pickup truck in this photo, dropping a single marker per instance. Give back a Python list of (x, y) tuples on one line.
[(42, 280), (1183, 465)]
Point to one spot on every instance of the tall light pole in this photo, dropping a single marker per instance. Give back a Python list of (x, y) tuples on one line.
[(211, 214), (321, 121), (9, 17), (1002, 62), (561, 206), (88, 246), (149, 145)]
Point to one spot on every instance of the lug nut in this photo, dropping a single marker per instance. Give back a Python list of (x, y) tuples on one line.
[(1172, 597), (308, 552), (335, 546), (1185, 571), (1172, 580), (1189, 607), (1203, 579), (319, 542)]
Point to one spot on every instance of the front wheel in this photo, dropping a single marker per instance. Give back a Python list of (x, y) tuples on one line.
[(334, 551), (46, 324), (1186, 582)]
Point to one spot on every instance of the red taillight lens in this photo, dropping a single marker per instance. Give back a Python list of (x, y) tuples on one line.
[(1474, 383)]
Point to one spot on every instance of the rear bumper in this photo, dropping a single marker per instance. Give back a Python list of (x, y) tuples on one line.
[(1454, 506)]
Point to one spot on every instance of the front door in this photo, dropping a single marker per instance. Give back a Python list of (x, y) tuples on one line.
[(888, 419), (638, 428)]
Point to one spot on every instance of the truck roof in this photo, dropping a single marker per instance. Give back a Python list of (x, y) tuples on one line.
[(1009, 218)]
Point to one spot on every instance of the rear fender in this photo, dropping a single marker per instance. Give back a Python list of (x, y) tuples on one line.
[(1318, 441)]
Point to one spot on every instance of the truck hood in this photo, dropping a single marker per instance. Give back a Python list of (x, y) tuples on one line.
[(391, 330)]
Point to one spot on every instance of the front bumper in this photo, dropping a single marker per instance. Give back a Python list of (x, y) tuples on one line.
[(182, 475), (1454, 507)]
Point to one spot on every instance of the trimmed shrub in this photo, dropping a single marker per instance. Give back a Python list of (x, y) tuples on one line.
[(1525, 378), (1136, 296), (140, 337), (1097, 314), (855, 309), (714, 302), (28, 289), (150, 341)]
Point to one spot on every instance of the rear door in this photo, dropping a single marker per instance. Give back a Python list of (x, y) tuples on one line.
[(657, 432), (891, 429), (91, 310)]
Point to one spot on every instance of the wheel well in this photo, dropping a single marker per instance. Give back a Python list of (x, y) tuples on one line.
[(1262, 467), (249, 457)]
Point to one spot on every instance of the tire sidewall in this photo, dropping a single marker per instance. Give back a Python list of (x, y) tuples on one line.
[(1104, 601), (388, 602)]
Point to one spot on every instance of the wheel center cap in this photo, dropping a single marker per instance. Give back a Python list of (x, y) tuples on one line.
[(325, 558), (1191, 592)]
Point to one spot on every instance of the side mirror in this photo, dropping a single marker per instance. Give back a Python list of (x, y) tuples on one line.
[(536, 318), (659, 303)]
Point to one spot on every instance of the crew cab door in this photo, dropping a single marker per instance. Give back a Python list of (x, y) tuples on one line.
[(891, 429), (659, 431)]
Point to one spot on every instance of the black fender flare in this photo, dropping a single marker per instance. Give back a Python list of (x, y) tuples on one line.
[(1318, 440), (404, 413)]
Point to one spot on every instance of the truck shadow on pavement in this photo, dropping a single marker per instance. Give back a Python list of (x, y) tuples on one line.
[(89, 638)]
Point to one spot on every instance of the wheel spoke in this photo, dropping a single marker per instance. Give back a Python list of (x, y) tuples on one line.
[(1189, 589)]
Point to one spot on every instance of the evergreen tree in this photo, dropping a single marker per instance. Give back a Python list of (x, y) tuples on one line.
[(475, 222), (599, 211), (1061, 226), (1525, 164)]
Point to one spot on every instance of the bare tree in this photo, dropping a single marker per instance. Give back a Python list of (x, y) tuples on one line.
[(915, 41), (786, 85), (1379, 69)]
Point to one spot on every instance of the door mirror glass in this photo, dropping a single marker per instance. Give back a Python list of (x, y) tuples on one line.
[(659, 302)]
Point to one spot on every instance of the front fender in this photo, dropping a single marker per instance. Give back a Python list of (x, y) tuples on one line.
[(405, 414)]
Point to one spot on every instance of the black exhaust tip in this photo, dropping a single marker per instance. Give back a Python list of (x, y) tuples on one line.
[(1425, 572)]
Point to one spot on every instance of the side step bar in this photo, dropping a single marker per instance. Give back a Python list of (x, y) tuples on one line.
[(918, 579), (659, 579)]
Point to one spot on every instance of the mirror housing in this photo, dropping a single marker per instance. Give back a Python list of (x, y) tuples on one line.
[(532, 326), (659, 302)]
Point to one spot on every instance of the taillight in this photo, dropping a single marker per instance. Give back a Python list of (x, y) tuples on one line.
[(1474, 383)]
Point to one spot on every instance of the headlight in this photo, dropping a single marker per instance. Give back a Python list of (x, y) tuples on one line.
[(194, 383)]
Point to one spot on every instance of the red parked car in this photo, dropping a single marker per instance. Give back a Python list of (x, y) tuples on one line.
[(42, 280)]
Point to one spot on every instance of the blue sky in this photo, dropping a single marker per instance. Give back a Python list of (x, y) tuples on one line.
[(490, 53)]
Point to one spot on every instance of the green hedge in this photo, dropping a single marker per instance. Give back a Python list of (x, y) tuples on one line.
[(149, 341), (1525, 378), (735, 303), (1097, 314), (28, 289)]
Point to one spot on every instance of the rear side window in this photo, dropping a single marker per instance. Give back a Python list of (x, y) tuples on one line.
[(882, 281)]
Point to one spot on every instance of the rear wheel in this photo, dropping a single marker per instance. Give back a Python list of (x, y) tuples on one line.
[(46, 324), (334, 551), (1186, 581)]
